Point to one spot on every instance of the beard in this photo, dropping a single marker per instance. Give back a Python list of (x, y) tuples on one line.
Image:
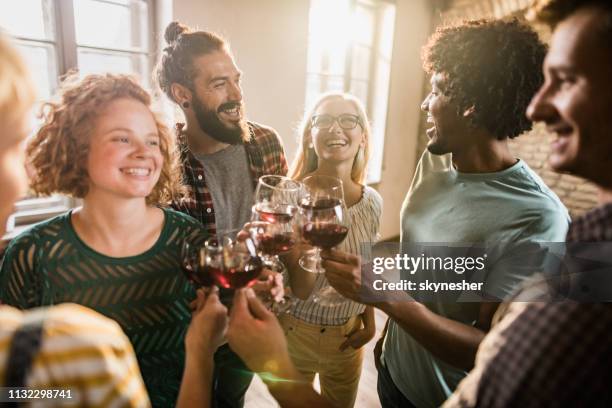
[(211, 124)]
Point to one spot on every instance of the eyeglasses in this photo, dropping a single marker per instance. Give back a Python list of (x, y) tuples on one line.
[(346, 121)]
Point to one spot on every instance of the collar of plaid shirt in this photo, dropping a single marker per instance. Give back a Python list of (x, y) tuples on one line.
[(550, 353), (266, 156), (595, 225)]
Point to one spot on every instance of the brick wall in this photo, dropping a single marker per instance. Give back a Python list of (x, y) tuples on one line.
[(533, 147), (577, 194)]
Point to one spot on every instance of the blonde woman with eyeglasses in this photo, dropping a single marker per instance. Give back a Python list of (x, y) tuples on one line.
[(329, 340)]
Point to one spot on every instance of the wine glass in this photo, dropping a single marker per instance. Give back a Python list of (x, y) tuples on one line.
[(273, 227), (273, 224), (195, 266), (273, 239), (234, 263), (324, 224)]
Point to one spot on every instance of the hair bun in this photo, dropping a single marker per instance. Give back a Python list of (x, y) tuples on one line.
[(174, 31)]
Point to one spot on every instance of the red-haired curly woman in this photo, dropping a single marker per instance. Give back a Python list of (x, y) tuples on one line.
[(118, 253)]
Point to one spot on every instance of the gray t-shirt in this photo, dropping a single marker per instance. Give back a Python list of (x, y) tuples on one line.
[(230, 183)]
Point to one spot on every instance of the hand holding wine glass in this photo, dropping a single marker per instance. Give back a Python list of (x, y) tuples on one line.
[(257, 337), (272, 226), (208, 324), (270, 285), (255, 334), (324, 224)]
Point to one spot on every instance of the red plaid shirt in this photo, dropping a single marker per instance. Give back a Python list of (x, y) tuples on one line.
[(266, 156)]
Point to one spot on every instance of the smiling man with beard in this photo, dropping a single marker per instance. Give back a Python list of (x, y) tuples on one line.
[(468, 188), (223, 155)]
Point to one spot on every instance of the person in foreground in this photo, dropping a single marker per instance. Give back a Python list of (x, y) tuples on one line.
[(119, 253), (559, 352), (468, 189)]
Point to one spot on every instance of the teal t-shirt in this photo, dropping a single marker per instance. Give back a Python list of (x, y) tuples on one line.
[(444, 205), (146, 294)]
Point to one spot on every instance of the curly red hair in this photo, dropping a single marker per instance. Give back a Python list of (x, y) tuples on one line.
[(59, 150)]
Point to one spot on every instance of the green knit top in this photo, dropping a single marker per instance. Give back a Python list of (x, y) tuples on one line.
[(146, 294)]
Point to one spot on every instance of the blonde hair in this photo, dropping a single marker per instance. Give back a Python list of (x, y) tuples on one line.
[(307, 161), (58, 153), (17, 92)]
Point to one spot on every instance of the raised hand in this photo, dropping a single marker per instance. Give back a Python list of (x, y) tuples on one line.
[(208, 324), (256, 336)]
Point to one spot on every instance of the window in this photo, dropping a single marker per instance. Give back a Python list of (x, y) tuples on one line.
[(349, 50), (56, 36)]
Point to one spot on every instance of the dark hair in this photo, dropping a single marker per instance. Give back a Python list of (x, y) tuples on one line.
[(494, 66), (184, 45), (552, 12)]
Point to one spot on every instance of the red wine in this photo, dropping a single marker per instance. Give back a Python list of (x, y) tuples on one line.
[(320, 204), (275, 213), (203, 276), (325, 235), (275, 244), (198, 276), (234, 278)]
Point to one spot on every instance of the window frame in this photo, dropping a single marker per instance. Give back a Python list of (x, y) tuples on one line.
[(376, 7), (31, 210)]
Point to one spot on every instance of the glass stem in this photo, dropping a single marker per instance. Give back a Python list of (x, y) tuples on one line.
[(319, 260)]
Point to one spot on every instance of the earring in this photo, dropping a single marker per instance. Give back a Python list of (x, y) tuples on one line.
[(310, 145), (469, 111), (185, 104)]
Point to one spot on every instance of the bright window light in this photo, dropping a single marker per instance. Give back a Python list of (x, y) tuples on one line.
[(349, 50)]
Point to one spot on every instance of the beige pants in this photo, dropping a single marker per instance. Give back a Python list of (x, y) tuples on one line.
[(316, 349)]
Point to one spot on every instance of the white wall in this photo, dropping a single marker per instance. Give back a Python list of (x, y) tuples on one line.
[(268, 38), (412, 27)]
